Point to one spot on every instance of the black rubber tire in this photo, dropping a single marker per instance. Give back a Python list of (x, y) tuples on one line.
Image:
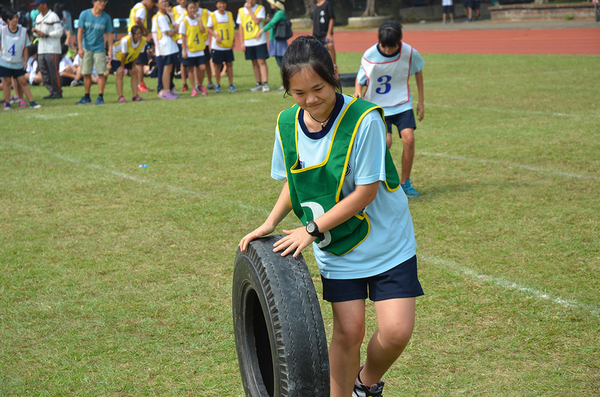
[(279, 333), (347, 79)]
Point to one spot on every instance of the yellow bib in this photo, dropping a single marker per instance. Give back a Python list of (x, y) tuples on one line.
[(155, 20), (132, 53), (251, 29), (176, 17), (132, 17), (204, 19), (195, 38), (225, 30)]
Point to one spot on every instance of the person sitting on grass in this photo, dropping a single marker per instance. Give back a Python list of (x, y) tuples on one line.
[(126, 52), (14, 41), (385, 70)]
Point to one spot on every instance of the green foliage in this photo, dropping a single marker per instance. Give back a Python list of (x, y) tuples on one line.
[(115, 279)]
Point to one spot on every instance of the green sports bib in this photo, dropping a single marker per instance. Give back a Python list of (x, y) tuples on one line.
[(315, 190)]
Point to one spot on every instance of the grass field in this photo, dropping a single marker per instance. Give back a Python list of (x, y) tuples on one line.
[(116, 279)]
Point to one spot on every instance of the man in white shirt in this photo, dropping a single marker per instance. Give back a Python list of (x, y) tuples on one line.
[(49, 30)]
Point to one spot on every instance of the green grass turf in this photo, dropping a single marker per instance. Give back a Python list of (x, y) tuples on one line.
[(116, 280)]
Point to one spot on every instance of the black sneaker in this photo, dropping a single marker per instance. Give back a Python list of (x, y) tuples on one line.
[(362, 390)]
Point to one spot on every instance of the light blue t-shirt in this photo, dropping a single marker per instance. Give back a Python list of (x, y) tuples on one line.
[(416, 64), (391, 240), (94, 29), (20, 65)]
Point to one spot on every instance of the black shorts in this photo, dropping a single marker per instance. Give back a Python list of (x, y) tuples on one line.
[(170, 59), (401, 281), (476, 4), (192, 62), (467, 3), (257, 52), (401, 121), (207, 53), (6, 72), (142, 59), (220, 57), (114, 64), (448, 9)]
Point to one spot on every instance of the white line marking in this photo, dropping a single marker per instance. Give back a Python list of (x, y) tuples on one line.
[(51, 116), (520, 166), (500, 282), (513, 111)]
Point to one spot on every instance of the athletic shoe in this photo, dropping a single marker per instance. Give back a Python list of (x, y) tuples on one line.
[(137, 98), (362, 390), (174, 92), (56, 96), (6, 105), (167, 95), (202, 90), (16, 99), (49, 96), (99, 100), (84, 101), (211, 86), (34, 105), (409, 190), (282, 88), (232, 88), (143, 88), (218, 89), (22, 104), (122, 99), (468, 20), (266, 88), (76, 83), (194, 92), (257, 87), (184, 88), (443, 22)]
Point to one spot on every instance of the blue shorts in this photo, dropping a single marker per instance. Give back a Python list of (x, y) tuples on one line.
[(399, 282), (114, 64), (220, 57), (192, 62), (257, 52), (171, 59), (448, 9), (401, 121), (207, 53)]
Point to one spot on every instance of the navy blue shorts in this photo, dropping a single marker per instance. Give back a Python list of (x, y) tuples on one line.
[(192, 62), (207, 53), (476, 4), (401, 281), (142, 59), (171, 59), (401, 121), (257, 52), (16, 73), (220, 57), (448, 9), (114, 64)]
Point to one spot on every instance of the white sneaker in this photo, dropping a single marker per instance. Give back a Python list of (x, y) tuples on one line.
[(266, 88), (257, 87)]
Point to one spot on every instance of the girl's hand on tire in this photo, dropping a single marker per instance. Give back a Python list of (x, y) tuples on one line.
[(260, 231), (296, 240)]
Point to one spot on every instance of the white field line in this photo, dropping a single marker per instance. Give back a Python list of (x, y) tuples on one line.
[(500, 282), (164, 186), (519, 166), (514, 111)]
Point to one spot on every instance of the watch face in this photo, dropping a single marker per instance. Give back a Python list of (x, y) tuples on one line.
[(310, 227)]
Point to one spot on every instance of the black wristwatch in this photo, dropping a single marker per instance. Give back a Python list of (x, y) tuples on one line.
[(313, 230)]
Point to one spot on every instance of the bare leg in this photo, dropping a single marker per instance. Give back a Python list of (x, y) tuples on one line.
[(344, 351), (395, 322), (101, 83), (229, 66), (87, 83), (408, 154), (119, 82), (264, 70), (256, 70), (22, 82), (217, 70)]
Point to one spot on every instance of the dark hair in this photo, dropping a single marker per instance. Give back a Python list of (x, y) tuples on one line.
[(64, 49), (307, 51), (189, 3), (135, 29), (32, 49), (8, 14), (390, 34)]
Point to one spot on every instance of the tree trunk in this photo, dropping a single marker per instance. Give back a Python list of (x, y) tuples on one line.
[(308, 5), (370, 10)]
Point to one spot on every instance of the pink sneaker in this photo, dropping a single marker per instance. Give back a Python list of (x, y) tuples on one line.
[(194, 92), (203, 90), (22, 104)]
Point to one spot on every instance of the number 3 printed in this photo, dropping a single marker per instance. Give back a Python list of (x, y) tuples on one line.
[(385, 86)]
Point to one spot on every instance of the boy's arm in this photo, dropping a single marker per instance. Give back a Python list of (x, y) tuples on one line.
[(110, 40), (241, 31), (80, 41), (421, 102)]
